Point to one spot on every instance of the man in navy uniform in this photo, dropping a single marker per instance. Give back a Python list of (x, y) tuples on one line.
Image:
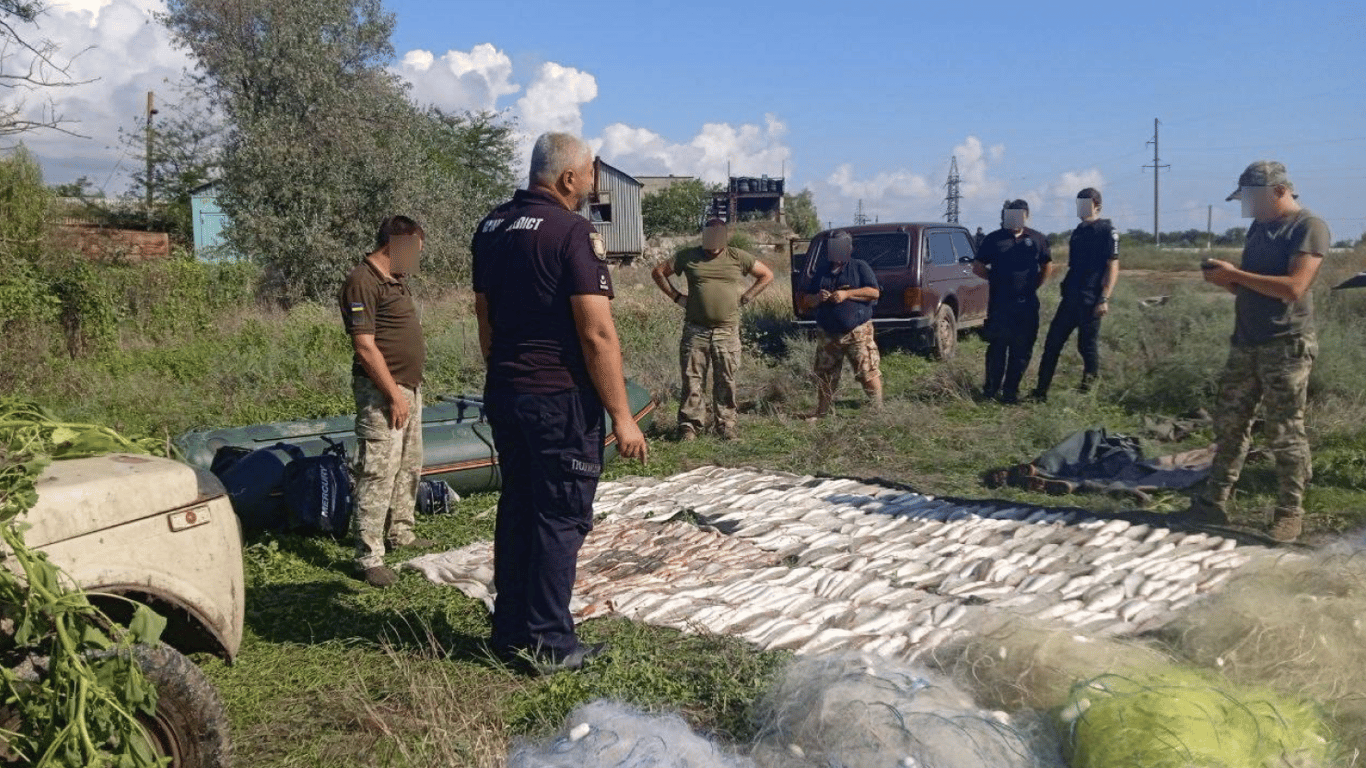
[(1015, 261), (542, 298), (1092, 269)]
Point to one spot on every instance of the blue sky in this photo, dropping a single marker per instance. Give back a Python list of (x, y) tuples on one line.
[(868, 100)]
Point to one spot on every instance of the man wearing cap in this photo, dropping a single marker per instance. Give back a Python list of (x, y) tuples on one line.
[(1015, 261), (715, 275), (1092, 268), (1272, 349), (386, 379), (542, 297), (843, 291)]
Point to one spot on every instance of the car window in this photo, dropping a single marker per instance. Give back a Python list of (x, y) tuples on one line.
[(883, 249), (962, 246), (941, 249)]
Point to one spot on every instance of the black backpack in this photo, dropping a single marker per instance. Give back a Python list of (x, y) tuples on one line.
[(317, 489)]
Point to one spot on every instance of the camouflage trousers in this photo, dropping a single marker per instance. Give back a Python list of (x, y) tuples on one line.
[(859, 346), (1274, 375), (703, 353), (388, 467)]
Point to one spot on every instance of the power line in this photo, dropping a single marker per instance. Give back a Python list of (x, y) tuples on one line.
[(955, 194), (1157, 167)]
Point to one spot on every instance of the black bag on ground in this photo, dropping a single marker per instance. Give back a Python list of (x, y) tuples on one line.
[(253, 480), (317, 489)]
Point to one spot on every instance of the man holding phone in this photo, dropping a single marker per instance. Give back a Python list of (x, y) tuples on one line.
[(1272, 349), (386, 379)]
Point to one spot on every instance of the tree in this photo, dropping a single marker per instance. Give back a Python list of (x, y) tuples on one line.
[(322, 142), (677, 209), (480, 148), (23, 209), (186, 152), (801, 213), (28, 64)]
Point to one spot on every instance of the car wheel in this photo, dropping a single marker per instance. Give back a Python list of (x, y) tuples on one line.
[(190, 725), (945, 338)]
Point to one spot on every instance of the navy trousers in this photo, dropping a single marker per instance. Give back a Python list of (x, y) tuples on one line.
[(550, 449), (1071, 316), (1011, 332)]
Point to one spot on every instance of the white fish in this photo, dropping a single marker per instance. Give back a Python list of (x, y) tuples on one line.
[(1105, 599), (1060, 609)]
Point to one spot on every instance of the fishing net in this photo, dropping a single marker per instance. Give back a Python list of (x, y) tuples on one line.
[(864, 712), (1183, 718), (1296, 624), (603, 734)]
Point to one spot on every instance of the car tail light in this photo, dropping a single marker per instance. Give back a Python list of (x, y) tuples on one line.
[(910, 300)]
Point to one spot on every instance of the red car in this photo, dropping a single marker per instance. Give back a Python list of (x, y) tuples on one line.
[(925, 270)]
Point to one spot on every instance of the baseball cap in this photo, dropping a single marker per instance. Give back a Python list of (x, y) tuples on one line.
[(1263, 173)]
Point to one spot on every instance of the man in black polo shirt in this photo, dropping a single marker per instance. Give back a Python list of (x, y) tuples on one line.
[(1092, 268), (1015, 261), (386, 377), (542, 297)]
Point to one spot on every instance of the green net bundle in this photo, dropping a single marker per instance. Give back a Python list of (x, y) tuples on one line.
[(1182, 718)]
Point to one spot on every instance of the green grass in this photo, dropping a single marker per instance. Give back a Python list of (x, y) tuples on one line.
[(334, 674)]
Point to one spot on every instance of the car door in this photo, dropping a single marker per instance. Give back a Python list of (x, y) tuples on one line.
[(888, 253), (941, 273), (972, 291)]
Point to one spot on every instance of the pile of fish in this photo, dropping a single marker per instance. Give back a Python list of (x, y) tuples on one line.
[(819, 565)]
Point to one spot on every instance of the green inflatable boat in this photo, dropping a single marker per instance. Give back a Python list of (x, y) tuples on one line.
[(456, 439)]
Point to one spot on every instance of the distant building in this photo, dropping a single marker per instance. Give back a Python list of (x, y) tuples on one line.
[(614, 209), (209, 221), (652, 184), (747, 198)]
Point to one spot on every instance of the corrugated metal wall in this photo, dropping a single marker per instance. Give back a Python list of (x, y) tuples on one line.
[(625, 235)]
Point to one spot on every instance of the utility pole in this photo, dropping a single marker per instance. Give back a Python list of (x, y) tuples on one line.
[(1157, 167), (151, 110), (954, 195), (860, 218), (1209, 227)]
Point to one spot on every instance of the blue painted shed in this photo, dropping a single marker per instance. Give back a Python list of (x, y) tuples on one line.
[(209, 221)]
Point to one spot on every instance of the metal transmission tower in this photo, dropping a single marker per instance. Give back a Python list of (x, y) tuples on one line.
[(860, 217), (951, 199), (1157, 168)]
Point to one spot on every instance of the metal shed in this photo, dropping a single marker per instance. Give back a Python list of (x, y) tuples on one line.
[(615, 212), (209, 221)]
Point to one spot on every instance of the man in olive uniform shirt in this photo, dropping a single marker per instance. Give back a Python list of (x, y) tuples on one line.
[(386, 379), (716, 276), (1272, 349)]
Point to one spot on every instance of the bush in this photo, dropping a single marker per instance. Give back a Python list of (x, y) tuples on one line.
[(677, 209)]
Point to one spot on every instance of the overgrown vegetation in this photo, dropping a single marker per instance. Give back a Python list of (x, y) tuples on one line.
[(332, 673), (677, 209), (70, 690)]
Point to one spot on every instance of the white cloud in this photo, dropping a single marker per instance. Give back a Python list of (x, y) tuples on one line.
[(554, 100), (123, 52), (747, 150), (905, 195), (1051, 205), (459, 80)]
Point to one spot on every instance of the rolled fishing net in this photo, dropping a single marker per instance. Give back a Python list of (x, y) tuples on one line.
[(603, 734), (858, 711), (1296, 624), (1182, 718)]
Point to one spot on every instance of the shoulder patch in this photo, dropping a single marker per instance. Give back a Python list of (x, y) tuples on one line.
[(599, 245)]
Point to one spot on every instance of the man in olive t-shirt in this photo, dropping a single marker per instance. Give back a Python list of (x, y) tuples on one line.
[(1272, 349), (386, 379), (711, 326)]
